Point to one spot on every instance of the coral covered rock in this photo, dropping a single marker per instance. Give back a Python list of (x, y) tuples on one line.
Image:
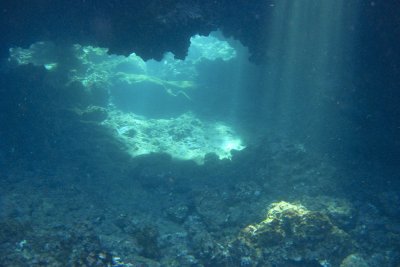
[(291, 233), (354, 260)]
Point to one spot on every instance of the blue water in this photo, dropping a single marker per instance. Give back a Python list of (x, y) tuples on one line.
[(192, 133)]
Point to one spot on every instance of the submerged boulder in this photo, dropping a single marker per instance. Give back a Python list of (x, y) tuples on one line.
[(290, 233), (354, 260)]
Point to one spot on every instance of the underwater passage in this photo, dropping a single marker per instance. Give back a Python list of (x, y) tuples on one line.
[(200, 133), (147, 105)]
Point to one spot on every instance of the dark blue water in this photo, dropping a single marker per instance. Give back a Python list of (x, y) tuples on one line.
[(192, 133)]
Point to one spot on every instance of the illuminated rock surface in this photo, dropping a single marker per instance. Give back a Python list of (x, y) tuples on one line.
[(184, 137), (291, 233)]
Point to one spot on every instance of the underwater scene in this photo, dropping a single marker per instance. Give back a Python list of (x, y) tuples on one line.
[(224, 133)]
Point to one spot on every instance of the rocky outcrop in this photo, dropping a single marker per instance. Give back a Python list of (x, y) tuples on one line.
[(291, 234), (148, 28)]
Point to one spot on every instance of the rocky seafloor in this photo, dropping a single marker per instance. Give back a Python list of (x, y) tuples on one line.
[(274, 204), (76, 189)]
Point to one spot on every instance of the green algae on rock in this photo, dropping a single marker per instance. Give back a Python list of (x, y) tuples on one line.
[(292, 233)]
